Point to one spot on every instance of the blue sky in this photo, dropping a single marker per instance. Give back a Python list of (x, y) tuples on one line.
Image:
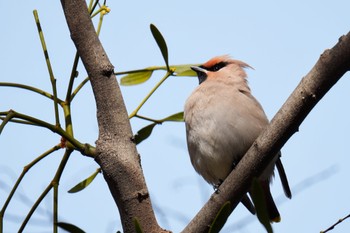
[(282, 41)]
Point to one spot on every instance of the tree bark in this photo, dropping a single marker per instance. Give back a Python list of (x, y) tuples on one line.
[(115, 151), (330, 67)]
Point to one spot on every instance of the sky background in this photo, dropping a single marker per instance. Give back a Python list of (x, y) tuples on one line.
[(282, 41)]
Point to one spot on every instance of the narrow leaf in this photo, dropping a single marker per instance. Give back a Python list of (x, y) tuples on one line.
[(221, 218), (175, 117), (189, 73), (144, 133), (137, 225), (257, 195), (136, 78), (184, 70), (69, 227), (83, 184), (161, 43)]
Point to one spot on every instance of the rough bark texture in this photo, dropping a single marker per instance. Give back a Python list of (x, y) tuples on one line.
[(115, 151), (330, 67)]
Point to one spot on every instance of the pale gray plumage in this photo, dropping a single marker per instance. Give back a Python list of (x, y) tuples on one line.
[(222, 121)]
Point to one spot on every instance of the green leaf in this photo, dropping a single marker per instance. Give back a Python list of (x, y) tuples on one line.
[(136, 78), (137, 226), (221, 218), (189, 73), (161, 43), (175, 117), (184, 70), (257, 195), (144, 133), (83, 184), (70, 227)]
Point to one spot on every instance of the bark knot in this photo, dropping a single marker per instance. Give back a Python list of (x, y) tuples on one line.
[(108, 70), (142, 195)]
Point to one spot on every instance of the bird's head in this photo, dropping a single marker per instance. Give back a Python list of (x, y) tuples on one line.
[(221, 67)]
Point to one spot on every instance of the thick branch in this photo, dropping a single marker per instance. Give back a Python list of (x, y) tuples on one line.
[(331, 66), (115, 151)]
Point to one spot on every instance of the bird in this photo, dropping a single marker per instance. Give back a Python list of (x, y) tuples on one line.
[(222, 120)]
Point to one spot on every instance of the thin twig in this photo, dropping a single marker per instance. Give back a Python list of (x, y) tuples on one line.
[(30, 88), (92, 7), (134, 113), (49, 67), (103, 11), (78, 88), (54, 182), (335, 224), (85, 149), (20, 122), (6, 119), (73, 75), (24, 172)]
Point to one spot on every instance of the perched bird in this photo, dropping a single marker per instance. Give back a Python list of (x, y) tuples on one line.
[(223, 120)]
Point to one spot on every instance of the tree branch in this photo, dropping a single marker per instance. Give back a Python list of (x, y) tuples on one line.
[(115, 151), (330, 67)]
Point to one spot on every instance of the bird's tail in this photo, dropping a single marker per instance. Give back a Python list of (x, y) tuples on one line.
[(272, 210), (283, 178)]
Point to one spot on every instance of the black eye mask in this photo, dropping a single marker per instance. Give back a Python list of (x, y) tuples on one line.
[(215, 67)]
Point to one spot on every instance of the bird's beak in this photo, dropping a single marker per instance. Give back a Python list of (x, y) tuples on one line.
[(201, 73), (198, 69)]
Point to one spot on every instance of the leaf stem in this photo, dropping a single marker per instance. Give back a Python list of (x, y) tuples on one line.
[(151, 68), (134, 113), (149, 119)]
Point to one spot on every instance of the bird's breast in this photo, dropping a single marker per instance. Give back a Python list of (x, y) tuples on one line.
[(218, 133)]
